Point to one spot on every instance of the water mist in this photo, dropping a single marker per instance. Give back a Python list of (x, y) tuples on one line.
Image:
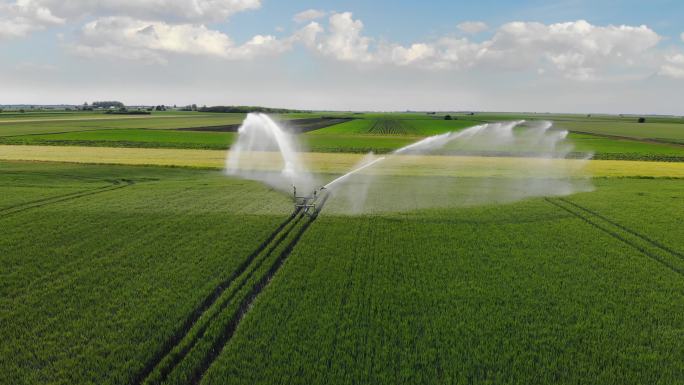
[(263, 146), (489, 163)]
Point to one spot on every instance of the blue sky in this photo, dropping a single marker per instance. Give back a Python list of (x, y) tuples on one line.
[(408, 20), (567, 56)]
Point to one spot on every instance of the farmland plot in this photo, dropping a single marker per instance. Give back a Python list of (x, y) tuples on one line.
[(95, 286), (526, 293)]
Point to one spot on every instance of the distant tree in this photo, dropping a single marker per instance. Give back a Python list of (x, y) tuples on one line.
[(107, 104), (642, 120), (194, 107), (0, 110), (245, 109), (22, 110), (160, 108), (447, 117)]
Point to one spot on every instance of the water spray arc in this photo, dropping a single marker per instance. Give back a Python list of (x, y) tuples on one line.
[(505, 161), (262, 147)]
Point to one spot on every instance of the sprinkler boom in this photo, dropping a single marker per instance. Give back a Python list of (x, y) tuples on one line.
[(308, 203), (352, 172)]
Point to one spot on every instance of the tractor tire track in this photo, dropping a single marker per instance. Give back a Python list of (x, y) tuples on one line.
[(208, 303), (626, 229), (175, 359), (246, 304), (4, 213), (592, 220)]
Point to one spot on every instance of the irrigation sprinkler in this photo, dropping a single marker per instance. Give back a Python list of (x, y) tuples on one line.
[(307, 204)]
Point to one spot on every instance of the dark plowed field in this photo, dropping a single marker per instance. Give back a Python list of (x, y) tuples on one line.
[(295, 125)]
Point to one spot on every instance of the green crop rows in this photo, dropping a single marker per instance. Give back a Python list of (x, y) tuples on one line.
[(92, 284), (137, 275), (526, 293), (149, 275)]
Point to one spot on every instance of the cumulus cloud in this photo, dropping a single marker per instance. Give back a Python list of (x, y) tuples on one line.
[(200, 11), (576, 50), (151, 41), (472, 27), (673, 67), (344, 40), (308, 15), (415, 53), (152, 30), (308, 35), (23, 17)]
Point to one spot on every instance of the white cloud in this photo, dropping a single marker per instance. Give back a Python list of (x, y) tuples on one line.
[(344, 40), (152, 41), (458, 53), (673, 67), (576, 50), (308, 15), (201, 11), (152, 30), (472, 27), (416, 53), (308, 34), (23, 17)]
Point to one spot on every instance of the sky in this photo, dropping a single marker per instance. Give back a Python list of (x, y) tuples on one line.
[(611, 56)]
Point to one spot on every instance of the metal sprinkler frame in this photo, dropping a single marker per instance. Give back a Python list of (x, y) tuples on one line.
[(307, 204)]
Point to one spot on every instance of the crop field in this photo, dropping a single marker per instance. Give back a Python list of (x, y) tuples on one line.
[(39, 124), (130, 258), (660, 139), (540, 292), (662, 132), (102, 264), (335, 163), (140, 275)]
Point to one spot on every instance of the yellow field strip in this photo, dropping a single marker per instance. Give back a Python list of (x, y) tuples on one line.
[(342, 162)]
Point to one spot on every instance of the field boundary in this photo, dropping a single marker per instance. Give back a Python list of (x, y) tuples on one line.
[(651, 249), (630, 138)]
